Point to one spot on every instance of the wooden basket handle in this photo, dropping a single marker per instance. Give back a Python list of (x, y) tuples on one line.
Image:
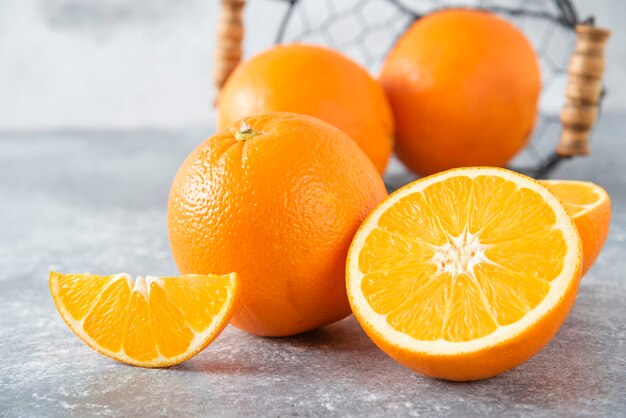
[(583, 90), (229, 39)]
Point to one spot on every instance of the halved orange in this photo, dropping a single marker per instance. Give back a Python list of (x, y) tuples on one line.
[(465, 274), (590, 207), (155, 322)]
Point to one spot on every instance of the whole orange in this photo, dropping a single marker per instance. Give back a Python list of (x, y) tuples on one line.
[(464, 87), (313, 81), (276, 198)]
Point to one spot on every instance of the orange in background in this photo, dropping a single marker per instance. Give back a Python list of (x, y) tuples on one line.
[(463, 86), (313, 81)]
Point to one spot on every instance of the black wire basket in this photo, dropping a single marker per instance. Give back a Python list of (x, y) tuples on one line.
[(570, 50)]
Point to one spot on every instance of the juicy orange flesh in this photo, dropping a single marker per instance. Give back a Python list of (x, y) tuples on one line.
[(163, 321), (138, 340), (105, 323), (464, 256), (79, 292), (169, 329), (574, 196), (200, 302)]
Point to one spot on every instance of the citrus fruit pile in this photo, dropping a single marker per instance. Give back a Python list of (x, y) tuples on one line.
[(280, 222)]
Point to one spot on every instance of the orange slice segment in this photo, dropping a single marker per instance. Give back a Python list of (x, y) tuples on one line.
[(153, 322), (466, 273), (590, 207)]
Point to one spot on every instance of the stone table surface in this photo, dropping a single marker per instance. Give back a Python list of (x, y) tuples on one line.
[(97, 202)]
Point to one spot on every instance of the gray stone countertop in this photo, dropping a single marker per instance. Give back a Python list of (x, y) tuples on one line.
[(97, 202)]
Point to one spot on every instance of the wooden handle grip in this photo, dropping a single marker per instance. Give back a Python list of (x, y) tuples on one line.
[(583, 90), (229, 39)]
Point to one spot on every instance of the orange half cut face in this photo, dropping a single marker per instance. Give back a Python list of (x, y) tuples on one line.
[(460, 265)]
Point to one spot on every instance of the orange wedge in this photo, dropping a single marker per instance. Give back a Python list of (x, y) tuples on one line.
[(590, 207), (155, 322), (465, 274)]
